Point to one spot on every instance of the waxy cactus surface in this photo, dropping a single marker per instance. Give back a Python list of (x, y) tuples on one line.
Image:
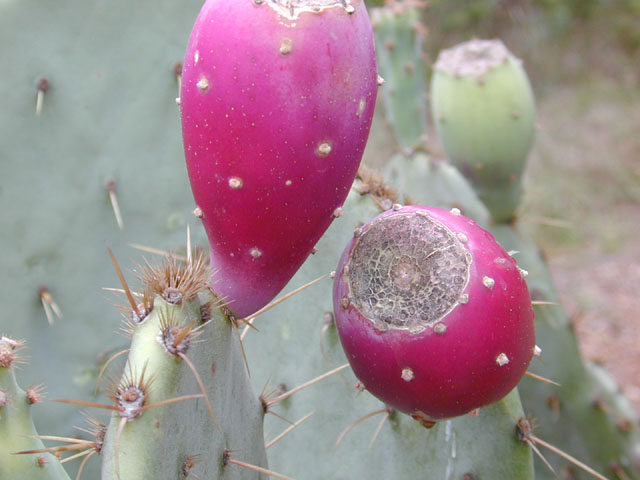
[(434, 316), (484, 113), (277, 100)]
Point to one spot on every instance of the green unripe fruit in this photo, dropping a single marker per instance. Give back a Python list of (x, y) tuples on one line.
[(484, 112)]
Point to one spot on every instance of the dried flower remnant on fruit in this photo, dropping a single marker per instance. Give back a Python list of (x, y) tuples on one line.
[(407, 270), (474, 58), (291, 9)]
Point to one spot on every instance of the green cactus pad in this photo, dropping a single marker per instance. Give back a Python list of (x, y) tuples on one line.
[(168, 440), (435, 182), (16, 427), (399, 36), (109, 113)]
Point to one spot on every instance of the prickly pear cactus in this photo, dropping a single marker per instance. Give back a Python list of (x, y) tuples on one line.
[(301, 328), (107, 112), (16, 425), (484, 113), (587, 417), (399, 36), (184, 363), (585, 407)]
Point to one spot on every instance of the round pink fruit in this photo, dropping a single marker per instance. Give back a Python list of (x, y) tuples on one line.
[(434, 316), (277, 99)]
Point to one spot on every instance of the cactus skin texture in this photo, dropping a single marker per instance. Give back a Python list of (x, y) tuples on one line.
[(399, 39), (434, 316), (484, 113), (16, 425), (158, 443), (276, 107)]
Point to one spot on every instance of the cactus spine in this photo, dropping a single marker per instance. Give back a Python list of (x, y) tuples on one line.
[(183, 348)]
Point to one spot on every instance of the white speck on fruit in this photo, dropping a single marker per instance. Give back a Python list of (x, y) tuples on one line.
[(357, 232), (475, 412), (417, 329), (178, 100), (502, 359), (462, 237), (349, 9), (464, 298), (537, 351), (513, 252), (380, 81), (198, 212), (523, 272), (361, 106), (407, 374), (422, 213), (286, 46), (235, 182), (345, 270), (499, 260), (324, 149), (288, 183), (440, 328), (337, 213), (196, 57), (203, 84), (344, 302), (256, 253), (455, 211), (397, 206), (488, 282)]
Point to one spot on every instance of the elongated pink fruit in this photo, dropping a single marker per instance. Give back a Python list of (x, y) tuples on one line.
[(277, 99), (434, 316)]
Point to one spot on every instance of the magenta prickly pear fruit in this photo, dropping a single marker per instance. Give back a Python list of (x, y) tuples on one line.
[(277, 100), (434, 316)]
